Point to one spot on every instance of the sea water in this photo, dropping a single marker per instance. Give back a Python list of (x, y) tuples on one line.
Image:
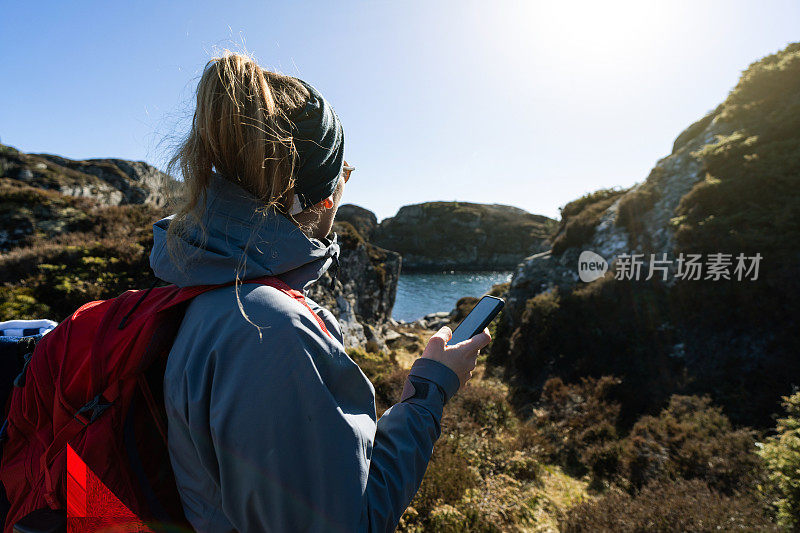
[(421, 293)]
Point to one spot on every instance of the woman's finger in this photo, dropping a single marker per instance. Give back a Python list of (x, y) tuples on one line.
[(477, 342), (438, 341), (445, 333)]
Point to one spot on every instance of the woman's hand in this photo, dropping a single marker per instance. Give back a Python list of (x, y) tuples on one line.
[(461, 357)]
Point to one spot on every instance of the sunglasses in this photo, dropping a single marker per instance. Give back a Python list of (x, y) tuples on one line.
[(347, 170)]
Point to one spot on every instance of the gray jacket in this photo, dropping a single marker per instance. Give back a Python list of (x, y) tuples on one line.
[(279, 432)]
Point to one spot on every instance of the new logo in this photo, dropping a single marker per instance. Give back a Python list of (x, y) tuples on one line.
[(591, 266)]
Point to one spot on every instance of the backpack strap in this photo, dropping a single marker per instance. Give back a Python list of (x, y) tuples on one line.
[(168, 298), (297, 295), (186, 293)]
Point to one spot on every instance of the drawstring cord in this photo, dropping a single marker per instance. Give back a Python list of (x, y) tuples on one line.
[(334, 270)]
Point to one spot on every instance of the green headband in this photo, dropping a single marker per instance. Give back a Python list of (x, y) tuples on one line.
[(319, 140)]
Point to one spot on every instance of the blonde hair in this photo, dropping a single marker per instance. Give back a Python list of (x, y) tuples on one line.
[(240, 129)]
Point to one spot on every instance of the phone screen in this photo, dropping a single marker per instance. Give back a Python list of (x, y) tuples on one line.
[(480, 316)]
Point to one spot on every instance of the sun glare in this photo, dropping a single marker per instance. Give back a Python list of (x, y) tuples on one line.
[(591, 35)]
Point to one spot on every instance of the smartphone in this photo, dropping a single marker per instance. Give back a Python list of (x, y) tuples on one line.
[(477, 319)]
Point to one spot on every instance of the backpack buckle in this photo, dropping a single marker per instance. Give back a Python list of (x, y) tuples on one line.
[(96, 407)]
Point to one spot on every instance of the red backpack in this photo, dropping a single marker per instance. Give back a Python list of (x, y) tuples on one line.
[(95, 383)]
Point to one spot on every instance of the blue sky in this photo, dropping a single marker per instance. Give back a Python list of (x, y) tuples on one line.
[(524, 103)]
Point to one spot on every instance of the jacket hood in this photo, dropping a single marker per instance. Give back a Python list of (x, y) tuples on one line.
[(238, 237)]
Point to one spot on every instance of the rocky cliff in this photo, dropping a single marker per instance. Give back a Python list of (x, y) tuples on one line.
[(363, 220), (732, 186), (364, 291), (74, 231), (462, 236), (106, 181)]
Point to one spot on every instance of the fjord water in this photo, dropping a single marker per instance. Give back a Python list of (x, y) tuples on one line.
[(421, 293)]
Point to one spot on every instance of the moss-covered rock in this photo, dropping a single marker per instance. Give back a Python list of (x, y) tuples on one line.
[(363, 220), (463, 236), (731, 185), (107, 181), (75, 231), (364, 292)]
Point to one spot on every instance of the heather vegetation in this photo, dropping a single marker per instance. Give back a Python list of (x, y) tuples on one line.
[(781, 452), (659, 393), (685, 469), (484, 474), (573, 464), (51, 271), (580, 217), (678, 506)]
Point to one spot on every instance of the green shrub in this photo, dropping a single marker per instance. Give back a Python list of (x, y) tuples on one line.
[(480, 407), (575, 207), (19, 303), (448, 477), (632, 208), (447, 519), (693, 131), (607, 327), (781, 453), (668, 506), (498, 505), (580, 217), (498, 349), (576, 424), (389, 386), (382, 370), (692, 439), (463, 307), (523, 467)]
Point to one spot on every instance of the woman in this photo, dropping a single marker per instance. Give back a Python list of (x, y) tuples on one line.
[(272, 427)]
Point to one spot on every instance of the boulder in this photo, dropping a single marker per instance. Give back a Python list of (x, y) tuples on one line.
[(729, 186)]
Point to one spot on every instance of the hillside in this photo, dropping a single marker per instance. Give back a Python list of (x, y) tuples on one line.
[(107, 181), (462, 236), (75, 231), (731, 185), (652, 386)]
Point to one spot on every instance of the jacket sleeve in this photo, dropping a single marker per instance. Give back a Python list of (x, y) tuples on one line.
[(404, 443), (295, 440)]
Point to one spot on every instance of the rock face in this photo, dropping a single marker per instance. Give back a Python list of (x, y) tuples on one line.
[(107, 181), (364, 291), (363, 220), (730, 186), (645, 231), (462, 236)]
